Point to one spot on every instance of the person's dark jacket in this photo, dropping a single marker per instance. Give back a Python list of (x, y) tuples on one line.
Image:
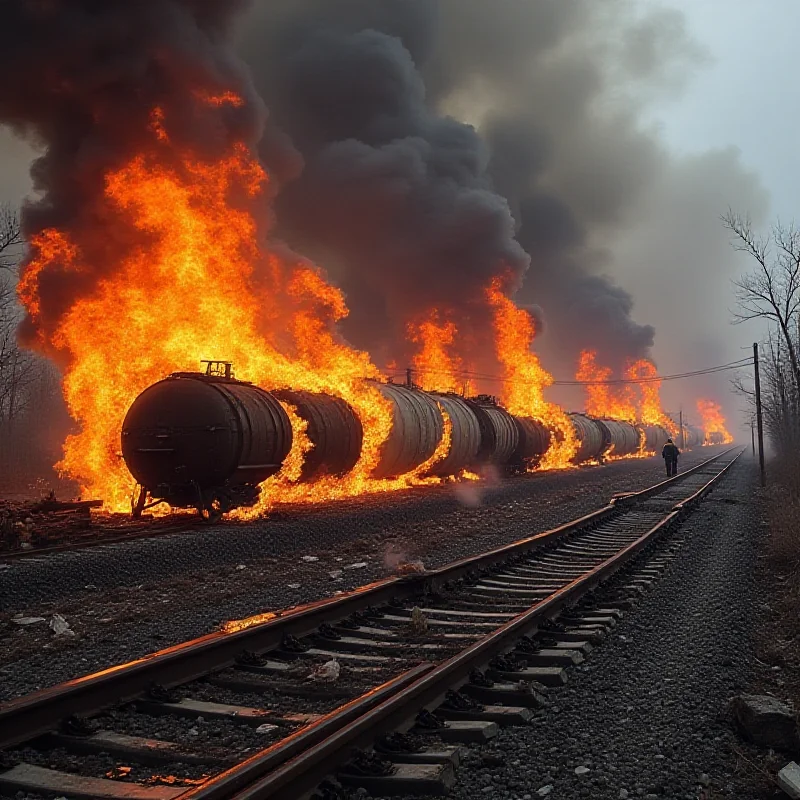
[(670, 452)]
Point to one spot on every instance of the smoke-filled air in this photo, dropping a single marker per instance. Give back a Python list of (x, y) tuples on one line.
[(332, 194)]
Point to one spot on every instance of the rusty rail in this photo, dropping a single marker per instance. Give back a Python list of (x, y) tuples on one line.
[(303, 773)]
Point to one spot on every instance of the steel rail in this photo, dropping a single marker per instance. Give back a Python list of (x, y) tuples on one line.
[(643, 494), (303, 773), (179, 525), (9, 556), (37, 713)]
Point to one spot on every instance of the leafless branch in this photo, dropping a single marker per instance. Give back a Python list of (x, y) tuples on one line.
[(11, 239)]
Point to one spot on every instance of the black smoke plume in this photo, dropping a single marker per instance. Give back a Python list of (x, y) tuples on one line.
[(87, 76), (394, 199), (403, 203)]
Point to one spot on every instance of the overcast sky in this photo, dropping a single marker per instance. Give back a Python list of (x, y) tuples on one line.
[(746, 95), (743, 96)]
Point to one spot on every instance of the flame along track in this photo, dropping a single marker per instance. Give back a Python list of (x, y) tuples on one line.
[(188, 287), (189, 272)]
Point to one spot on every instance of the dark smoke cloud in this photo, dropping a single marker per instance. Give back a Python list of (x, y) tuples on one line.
[(585, 308), (400, 201), (86, 78), (394, 198)]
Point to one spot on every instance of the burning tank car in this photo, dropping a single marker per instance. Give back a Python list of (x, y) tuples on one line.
[(207, 441)]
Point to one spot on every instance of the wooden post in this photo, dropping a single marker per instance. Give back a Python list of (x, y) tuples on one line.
[(409, 378), (680, 424), (759, 419)]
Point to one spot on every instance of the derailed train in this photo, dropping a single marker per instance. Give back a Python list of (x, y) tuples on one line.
[(205, 441)]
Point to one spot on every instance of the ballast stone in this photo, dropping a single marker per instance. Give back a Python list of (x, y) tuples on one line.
[(766, 721), (789, 780)]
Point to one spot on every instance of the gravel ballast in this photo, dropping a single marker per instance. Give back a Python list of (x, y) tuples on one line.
[(126, 600), (646, 715)]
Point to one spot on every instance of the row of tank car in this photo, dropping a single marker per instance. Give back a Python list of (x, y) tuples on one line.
[(207, 441)]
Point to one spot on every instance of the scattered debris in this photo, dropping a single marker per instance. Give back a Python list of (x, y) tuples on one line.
[(357, 565), (118, 772), (266, 728), (240, 567), (309, 559), (31, 525), (60, 626), (419, 622), (292, 585), (27, 620), (336, 574), (789, 780), (410, 568), (766, 721), (329, 671), (581, 770), (50, 505), (543, 791)]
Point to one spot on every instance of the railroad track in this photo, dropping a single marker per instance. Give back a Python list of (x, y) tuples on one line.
[(99, 531), (269, 706)]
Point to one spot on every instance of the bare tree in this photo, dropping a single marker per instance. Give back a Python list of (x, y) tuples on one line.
[(23, 376), (11, 241), (772, 290)]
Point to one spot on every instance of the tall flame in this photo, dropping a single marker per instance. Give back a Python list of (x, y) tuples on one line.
[(713, 422), (436, 366), (525, 380), (191, 291), (603, 400), (650, 411)]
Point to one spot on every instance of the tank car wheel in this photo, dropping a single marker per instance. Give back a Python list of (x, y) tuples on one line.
[(214, 505), (212, 514), (210, 510)]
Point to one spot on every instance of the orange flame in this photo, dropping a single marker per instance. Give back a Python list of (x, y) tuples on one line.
[(713, 422), (436, 368), (524, 377), (601, 399), (192, 291), (650, 411)]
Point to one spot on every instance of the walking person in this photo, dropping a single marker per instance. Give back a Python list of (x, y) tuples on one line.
[(670, 455)]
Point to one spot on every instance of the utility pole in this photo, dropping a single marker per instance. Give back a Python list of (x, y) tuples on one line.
[(680, 425), (409, 378), (753, 435), (759, 419)]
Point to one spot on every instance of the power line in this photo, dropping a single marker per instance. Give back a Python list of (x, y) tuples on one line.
[(658, 378), (467, 375)]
